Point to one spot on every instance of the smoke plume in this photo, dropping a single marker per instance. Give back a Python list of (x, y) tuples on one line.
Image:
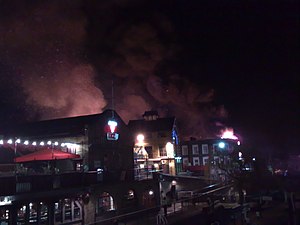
[(43, 45), (63, 55)]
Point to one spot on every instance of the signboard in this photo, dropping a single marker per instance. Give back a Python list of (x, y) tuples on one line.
[(112, 136)]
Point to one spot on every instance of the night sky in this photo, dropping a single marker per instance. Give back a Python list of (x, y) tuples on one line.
[(212, 64)]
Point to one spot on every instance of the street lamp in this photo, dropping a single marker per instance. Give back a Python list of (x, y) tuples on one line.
[(222, 145), (140, 138)]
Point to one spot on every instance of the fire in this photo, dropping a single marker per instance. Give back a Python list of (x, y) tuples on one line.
[(229, 134)]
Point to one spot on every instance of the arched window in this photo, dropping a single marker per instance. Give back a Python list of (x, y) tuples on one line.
[(105, 203)]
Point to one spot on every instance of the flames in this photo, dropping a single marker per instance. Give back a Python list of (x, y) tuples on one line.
[(228, 133)]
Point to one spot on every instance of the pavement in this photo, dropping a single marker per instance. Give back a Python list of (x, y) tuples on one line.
[(274, 213)]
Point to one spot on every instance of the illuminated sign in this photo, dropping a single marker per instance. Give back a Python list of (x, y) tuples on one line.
[(112, 136), (112, 125)]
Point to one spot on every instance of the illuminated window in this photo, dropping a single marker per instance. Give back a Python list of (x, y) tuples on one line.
[(195, 149), (205, 160), (4, 216), (21, 215), (67, 210), (105, 203), (205, 149), (58, 211), (33, 212), (43, 214), (196, 161), (185, 150)]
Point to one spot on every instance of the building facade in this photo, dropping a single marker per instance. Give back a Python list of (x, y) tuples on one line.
[(205, 157), (98, 186), (156, 144)]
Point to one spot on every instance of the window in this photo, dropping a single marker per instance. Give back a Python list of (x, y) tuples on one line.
[(105, 203), (217, 160), (196, 161), (43, 214), (205, 160), (21, 215), (77, 210), (149, 151), (195, 149), (185, 161), (185, 150), (4, 216), (205, 149), (162, 151), (66, 210), (33, 208), (215, 148)]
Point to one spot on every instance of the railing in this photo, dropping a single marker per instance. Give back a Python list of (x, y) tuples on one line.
[(38, 183), (177, 208)]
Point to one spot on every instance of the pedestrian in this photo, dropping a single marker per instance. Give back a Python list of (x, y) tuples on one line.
[(165, 206), (161, 219)]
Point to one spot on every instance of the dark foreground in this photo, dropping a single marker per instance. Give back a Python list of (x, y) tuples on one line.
[(277, 213)]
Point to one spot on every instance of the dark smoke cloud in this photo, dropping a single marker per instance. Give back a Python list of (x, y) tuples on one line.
[(42, 43), (139, 46), (63, 56)]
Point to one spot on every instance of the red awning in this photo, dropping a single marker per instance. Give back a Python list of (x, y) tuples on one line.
[(46, 155)]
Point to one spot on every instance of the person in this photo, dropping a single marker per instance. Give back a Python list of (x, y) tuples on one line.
[(165, 206), (161, 219)]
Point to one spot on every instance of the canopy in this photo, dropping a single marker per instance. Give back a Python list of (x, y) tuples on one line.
[(46, 155)]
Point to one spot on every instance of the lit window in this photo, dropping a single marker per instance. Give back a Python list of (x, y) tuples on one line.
[(196, 161), (105, 203), (205, 160)]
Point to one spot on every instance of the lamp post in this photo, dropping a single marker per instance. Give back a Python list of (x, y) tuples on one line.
[(16, 141)]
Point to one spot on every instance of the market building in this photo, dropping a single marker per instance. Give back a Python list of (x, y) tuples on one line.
[(76, 170)]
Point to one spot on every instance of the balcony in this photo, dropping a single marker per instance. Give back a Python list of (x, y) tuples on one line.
[(12, 185)]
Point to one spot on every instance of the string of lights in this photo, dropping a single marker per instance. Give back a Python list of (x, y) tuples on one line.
[(37, 143)]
